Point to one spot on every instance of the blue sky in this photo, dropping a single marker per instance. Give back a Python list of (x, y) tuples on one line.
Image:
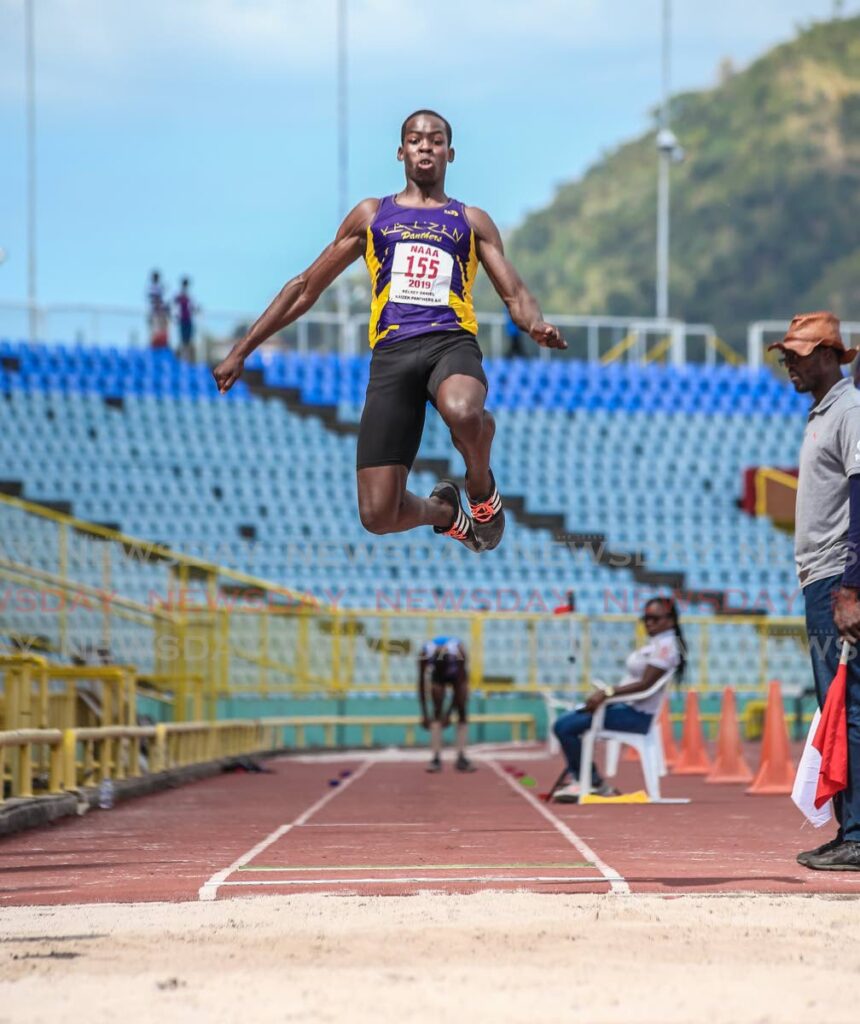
[(199, 135)]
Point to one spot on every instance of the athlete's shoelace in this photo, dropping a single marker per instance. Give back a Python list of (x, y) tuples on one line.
[(484, 511)]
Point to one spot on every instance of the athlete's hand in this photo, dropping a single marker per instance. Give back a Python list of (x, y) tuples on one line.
[(228, 371), (425, 722), (546, 335)]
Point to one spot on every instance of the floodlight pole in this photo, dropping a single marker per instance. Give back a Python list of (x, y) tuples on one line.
[(665, 153), (342, 289), (30, 72)]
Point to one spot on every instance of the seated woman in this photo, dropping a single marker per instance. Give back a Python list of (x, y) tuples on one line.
[(663, 651)]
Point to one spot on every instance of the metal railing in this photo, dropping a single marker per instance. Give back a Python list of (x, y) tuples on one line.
[(590, 337), (353, 651), (81, 758), (49, 762), (762, 333), (203, 632), (63, 578)]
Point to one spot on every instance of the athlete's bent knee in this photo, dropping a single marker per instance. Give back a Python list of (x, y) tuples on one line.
[(375, 518), (465, 420)]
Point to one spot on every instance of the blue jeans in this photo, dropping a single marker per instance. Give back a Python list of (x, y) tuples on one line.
[(824, 650), (619, 717)]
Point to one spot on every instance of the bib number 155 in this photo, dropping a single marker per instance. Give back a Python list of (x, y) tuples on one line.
[(421, 274), (419, 267)]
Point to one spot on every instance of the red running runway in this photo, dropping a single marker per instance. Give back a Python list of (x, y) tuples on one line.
[(389, 828)]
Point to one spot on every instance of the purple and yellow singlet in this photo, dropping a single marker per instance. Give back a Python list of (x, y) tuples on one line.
[(422, 265)]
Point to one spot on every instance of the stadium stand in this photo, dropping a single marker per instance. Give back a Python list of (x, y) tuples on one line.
[(623, 480)]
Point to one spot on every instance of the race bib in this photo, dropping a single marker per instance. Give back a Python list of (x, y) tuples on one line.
[(421, 274)]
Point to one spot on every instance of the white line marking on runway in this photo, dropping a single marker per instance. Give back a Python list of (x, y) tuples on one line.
[(617, 884), (412, 879), (209, 889), (372, 824)]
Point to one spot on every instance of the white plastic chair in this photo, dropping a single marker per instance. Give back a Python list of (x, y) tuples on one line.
[(649, 746), (557, 706)]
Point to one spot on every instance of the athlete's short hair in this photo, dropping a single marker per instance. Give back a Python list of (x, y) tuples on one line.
[(448, 130)]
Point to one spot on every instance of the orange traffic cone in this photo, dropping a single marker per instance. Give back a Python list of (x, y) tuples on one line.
[(670, 751), (730, 765), (693, 759), (776, 772)]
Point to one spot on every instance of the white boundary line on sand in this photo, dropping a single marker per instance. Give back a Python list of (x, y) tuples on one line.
[(411, 879), (617, 883), (209, 890)]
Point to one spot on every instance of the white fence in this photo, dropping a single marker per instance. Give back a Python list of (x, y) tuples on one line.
[(592, 338), (764, 332)]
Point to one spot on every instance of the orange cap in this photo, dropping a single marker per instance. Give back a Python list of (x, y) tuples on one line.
[(809, 330)]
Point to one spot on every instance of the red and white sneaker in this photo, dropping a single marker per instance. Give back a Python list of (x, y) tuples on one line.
[(488, 517), (462, 528)]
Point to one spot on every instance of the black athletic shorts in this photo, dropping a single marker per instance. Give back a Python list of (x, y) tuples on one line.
[(404, 375)]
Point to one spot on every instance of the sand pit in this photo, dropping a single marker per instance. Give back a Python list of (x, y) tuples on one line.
[(494, 957)]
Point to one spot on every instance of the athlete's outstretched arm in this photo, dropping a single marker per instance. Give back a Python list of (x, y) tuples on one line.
[(523, 306), (298, 295)]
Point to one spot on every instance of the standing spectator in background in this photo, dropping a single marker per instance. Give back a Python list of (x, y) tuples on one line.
[(155, 303), (185, 310), (827, 544), (160, 326), (155, 292), (515, 338), (159, 314)]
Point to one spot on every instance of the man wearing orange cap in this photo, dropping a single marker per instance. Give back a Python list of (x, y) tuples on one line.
[(827, 543)]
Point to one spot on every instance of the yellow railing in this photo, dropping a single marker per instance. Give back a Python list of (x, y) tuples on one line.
[(276, 651), (27, 746), (89, 593), (147, 552), (522, 725), (79, 758), (618, 349), (201, 633), (271, 652), (726, 351), (659, 350), (38, 694)]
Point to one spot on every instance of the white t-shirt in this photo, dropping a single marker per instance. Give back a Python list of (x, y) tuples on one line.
[(662, 652)]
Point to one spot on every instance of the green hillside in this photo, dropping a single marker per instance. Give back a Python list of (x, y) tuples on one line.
[(765, 208)]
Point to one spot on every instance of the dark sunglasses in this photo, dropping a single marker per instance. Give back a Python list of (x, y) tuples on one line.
[(789, 358)]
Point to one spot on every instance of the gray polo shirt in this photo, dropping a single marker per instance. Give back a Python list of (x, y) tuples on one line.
[(829, 455)]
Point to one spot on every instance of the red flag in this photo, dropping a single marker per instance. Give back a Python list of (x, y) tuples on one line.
[(831, 738)]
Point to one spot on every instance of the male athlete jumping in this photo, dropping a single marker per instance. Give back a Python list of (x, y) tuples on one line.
[(422, 251)]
